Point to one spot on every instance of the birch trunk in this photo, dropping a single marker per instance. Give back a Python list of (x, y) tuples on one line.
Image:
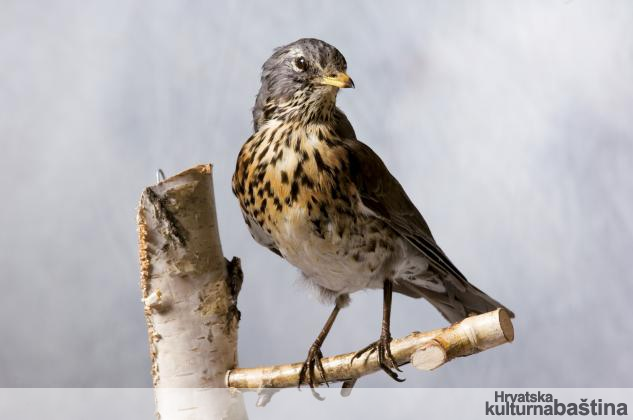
[(190, 294)]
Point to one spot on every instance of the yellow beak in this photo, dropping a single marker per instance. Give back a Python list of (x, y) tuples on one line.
[(340, 80)]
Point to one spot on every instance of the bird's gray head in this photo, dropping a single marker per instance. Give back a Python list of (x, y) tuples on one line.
[(300, 80)]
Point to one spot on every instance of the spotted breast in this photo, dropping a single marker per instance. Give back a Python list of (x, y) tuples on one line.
[(293, 185)]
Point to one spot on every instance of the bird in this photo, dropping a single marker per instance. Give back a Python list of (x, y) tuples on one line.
[(315, 195)]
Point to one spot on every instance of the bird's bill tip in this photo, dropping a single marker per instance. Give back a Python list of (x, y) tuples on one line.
[(339, 80)]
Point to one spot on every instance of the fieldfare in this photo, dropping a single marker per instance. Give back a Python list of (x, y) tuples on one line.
[(321, 199)]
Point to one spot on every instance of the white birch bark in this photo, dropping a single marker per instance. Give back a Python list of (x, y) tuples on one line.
[(190, 293), (425, 350)]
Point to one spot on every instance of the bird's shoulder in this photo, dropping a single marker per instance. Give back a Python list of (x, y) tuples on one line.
[(342, 127), (379, 190)]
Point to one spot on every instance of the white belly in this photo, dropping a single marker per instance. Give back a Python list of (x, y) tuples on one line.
[(335, 261)]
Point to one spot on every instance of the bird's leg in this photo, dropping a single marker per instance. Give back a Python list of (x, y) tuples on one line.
[(314, 354), (383, 345)]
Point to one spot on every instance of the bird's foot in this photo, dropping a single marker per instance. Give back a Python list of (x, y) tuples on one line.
[(307, 374), (385, 359)]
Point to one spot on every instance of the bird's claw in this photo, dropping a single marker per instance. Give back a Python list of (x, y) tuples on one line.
[(307, 373), (385, 358)]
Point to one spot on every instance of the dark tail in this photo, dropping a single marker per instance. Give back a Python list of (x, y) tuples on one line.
[(458, 302)]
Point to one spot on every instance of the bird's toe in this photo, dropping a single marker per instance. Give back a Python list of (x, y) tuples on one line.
[(307, 374)]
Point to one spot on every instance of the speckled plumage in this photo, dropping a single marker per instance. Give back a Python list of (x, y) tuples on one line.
[(298, 199), (324, 201)]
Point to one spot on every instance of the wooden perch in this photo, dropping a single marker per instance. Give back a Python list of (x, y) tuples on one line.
[(190, 299), (425, 350), (189, 293)]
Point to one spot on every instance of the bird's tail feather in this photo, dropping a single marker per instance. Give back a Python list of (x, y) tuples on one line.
[(456, 303)]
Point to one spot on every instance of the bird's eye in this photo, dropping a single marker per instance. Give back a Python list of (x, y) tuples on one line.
[(300, 64)]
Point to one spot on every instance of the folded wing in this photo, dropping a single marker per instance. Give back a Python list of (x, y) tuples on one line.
[(383, 195)]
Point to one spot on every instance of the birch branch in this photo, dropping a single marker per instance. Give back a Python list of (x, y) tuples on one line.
[(425, 350), (190, 295)]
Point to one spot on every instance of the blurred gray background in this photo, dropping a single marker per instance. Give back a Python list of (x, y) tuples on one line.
[(509, 124)]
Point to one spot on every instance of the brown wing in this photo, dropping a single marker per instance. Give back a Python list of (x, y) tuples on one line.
[(381, 193)]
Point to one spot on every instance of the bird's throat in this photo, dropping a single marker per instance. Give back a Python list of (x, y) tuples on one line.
[(309, 106)]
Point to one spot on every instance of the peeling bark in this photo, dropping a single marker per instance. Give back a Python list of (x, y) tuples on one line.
[(190, 295)]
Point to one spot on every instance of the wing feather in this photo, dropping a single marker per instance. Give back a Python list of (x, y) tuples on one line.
[(383, 195)]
